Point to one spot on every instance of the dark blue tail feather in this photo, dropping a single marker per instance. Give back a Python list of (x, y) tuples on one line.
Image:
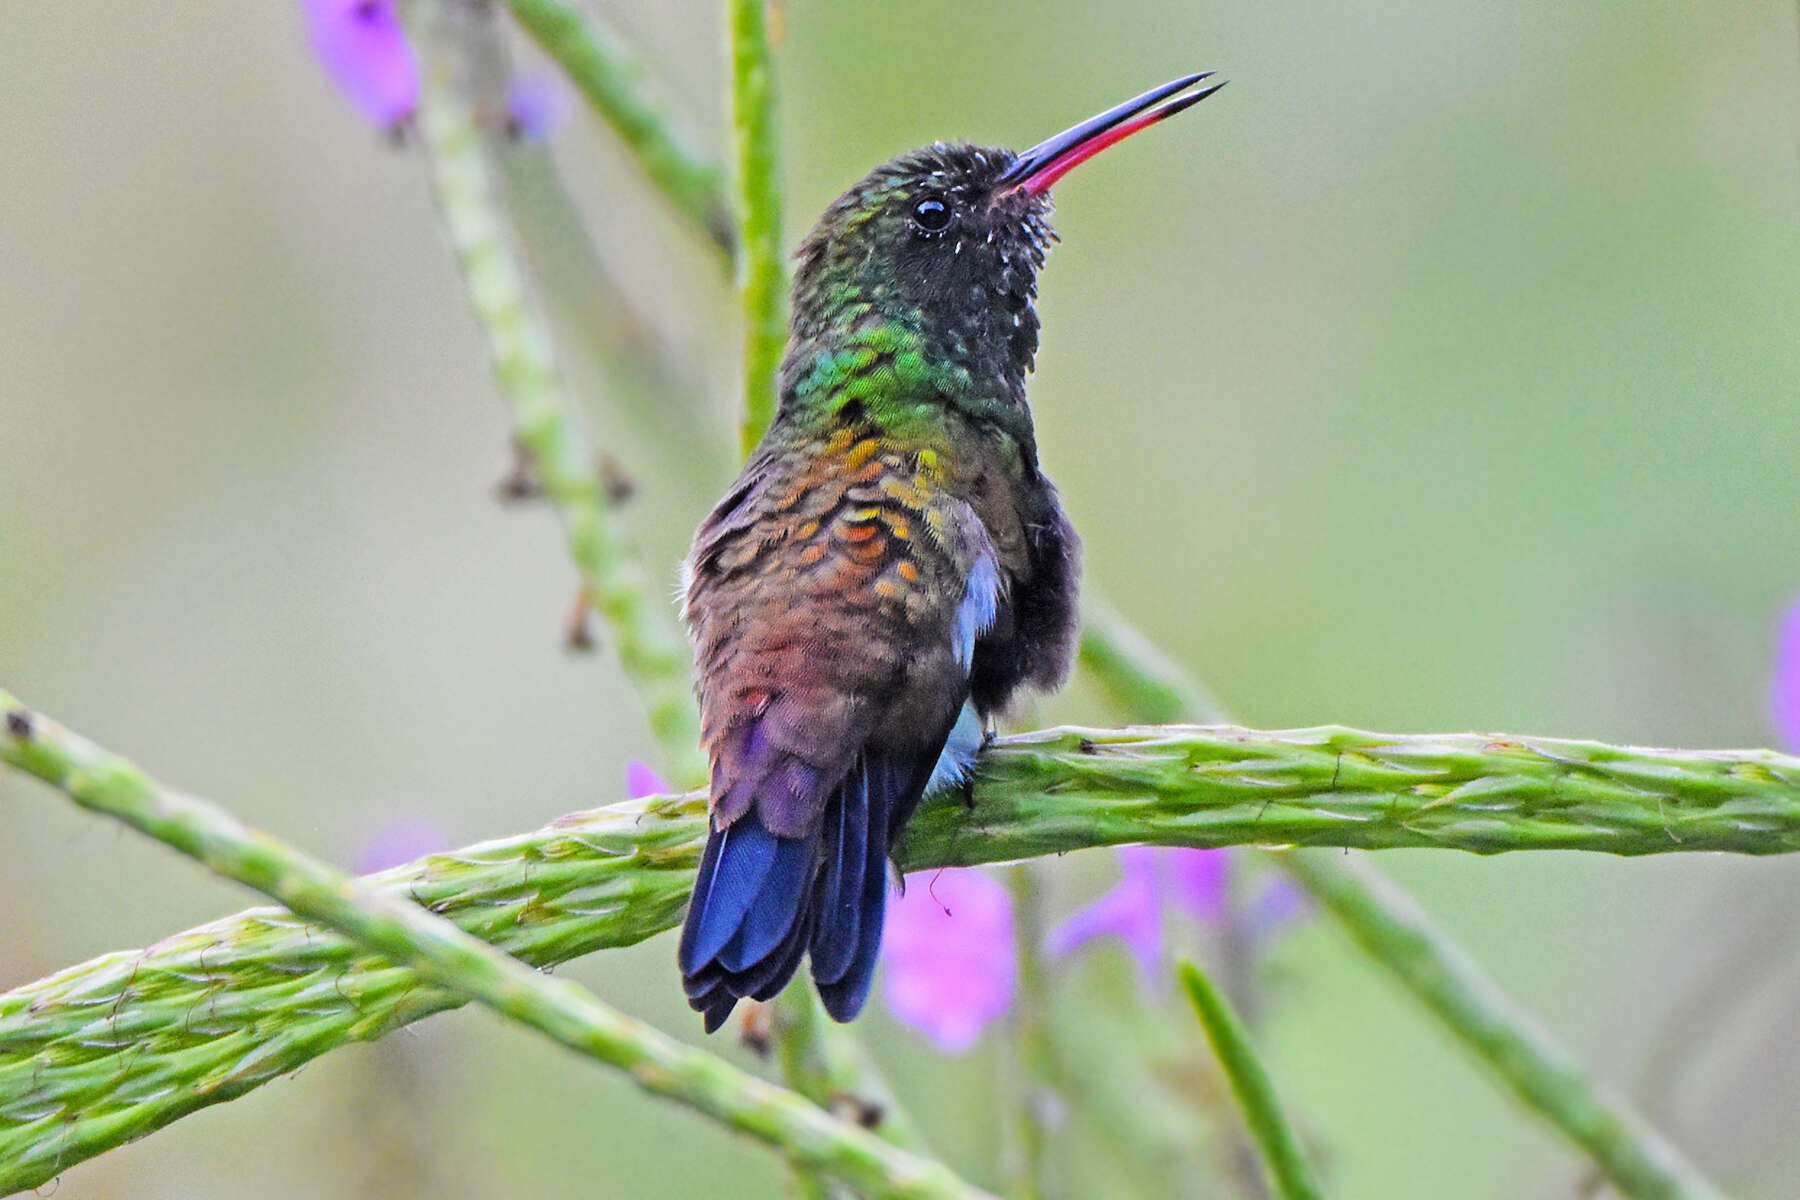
[(775, 910), (844, 995), (732, 869), (762, 901), (841, 884)]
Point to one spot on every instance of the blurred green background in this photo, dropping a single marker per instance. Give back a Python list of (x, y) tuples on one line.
[(1442, 373)]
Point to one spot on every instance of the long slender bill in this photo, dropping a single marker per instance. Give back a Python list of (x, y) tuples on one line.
[(1041, 166)]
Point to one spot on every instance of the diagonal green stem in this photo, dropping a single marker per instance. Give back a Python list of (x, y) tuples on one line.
[(1386, 923), (1137, 677), (762, 278), (650, 650), (612, 79), (1286, 1166), (438, 953), (1383, 919)]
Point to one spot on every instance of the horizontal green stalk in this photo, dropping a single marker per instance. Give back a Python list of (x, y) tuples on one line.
[(1392, 930), (609, 75), (1289, 1175), (1174, 785), (40, 1135), (652, 653), (211, 1013)]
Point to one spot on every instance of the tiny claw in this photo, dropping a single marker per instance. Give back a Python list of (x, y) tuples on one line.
[(966, 790)]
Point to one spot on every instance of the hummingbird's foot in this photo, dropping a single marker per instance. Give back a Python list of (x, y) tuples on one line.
[(965, 790)]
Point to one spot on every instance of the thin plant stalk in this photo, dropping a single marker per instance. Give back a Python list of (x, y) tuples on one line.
[(828, 1064), (611, 77), (762, 277), (1288, 1172), (1395, 932), (1033, 1055)]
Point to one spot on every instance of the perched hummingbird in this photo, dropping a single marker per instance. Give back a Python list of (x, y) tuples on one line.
[(891, 565)]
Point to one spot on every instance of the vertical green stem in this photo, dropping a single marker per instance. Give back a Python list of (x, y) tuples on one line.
[(762, 280), (1034, 1056), (818, 1058), (1283, 1161)]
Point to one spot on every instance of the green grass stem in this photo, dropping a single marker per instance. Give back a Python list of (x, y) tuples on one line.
[(1289, 1175)]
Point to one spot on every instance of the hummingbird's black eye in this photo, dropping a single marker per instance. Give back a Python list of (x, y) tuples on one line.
[(932, 214)]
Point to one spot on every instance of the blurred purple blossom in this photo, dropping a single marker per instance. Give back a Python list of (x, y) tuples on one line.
[(1277, 904), (1199, 878), (641, 781), (951, 959), (535, 106), (399, 842), (1133, 910), (361, 46), (1784, 694)]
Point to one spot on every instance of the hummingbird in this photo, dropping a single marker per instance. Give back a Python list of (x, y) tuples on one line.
[(890, 568)]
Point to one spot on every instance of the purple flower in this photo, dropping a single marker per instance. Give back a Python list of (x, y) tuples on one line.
[(535, 106), (1199, 879), (951, 961), (1133, 910), (641, 781), (361, 46), (1278, 903), (1784, 694), (399, 842)]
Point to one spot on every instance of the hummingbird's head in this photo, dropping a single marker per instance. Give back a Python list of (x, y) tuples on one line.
[(946, 242)]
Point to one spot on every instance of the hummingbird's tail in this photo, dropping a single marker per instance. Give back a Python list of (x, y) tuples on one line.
[(762, 900), (748, 922), (870, 808)]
